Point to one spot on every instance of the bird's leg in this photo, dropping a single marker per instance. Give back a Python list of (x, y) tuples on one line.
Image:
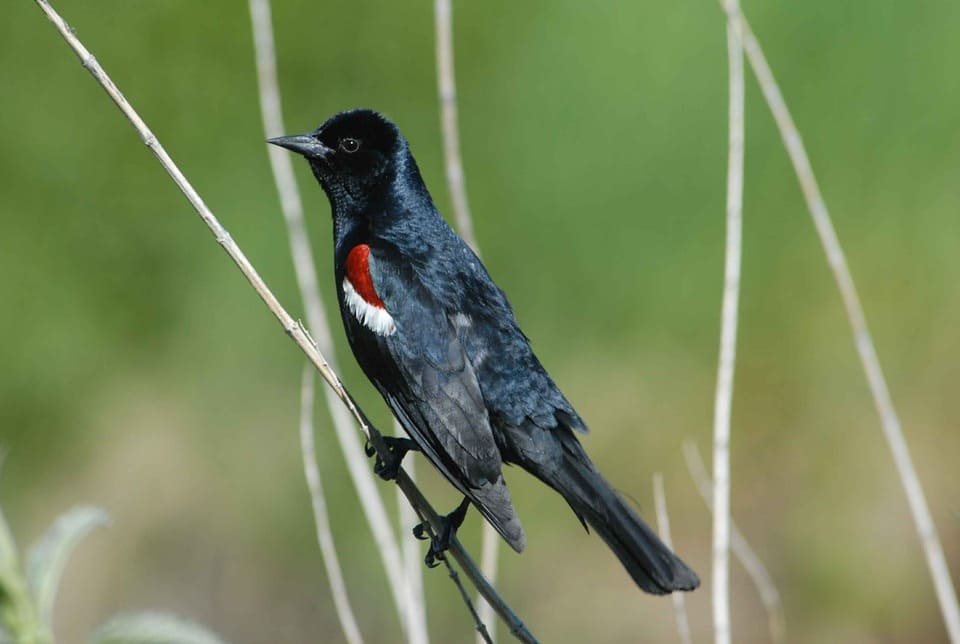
[(397, 447), (440, 542)]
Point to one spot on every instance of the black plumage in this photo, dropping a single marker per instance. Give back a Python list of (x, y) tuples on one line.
[(440, 342)]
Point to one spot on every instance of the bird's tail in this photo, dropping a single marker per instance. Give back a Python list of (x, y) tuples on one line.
[(649, 561)]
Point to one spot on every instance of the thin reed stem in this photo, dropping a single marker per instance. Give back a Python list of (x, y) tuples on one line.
[(447, 91), (338, 588), (663, 527), (728, 348), (757, 572)]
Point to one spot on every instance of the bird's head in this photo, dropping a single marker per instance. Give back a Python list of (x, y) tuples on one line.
[(352, 154)]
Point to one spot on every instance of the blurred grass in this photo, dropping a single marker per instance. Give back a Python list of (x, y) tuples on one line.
[(141, 374)]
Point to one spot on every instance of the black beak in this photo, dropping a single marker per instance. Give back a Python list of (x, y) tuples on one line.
[(304, 144)]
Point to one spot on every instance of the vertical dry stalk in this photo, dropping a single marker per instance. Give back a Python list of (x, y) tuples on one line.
[(489, 548), (338, 589), (447, 89), (291, 327), (663, 527), (482, 635), (408, 604), (410, 546), (889, 421), (757, 572), (456, 183), (728, 349)]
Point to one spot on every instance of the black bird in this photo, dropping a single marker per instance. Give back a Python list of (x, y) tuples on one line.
[(440, 342)]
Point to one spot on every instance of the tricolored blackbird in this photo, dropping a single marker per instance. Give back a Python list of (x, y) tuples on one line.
[(440, 342)]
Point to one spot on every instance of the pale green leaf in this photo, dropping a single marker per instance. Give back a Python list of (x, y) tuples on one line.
[(8, 550), (152, 628), (50, 554), (8, 547)]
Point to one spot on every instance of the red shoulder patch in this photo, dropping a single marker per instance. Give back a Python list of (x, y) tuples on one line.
[(358, 272)]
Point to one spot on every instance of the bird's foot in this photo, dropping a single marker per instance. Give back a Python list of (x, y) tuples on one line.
[(440, 542), (397, 447)]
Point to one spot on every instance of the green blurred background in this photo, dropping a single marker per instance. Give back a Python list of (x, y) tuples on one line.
[(141, 373)]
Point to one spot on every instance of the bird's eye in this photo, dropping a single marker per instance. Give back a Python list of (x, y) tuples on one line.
[(349, 145)]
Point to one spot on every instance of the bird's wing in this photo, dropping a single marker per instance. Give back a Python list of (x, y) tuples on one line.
[(422, 371), (516, 387)]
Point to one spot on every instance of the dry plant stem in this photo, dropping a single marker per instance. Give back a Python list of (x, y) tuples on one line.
[(728, 349), (443, 18), (757, 572), (409, 605), (338, 588), (926, 530), (663, 527), (489, 549), (482, 634), (410, 546), (456, 184), (290, 326)]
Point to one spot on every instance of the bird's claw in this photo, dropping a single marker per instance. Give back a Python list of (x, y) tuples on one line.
[(437, 546), (434, 557), (387, 466), (387, 469), (440, 541)]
